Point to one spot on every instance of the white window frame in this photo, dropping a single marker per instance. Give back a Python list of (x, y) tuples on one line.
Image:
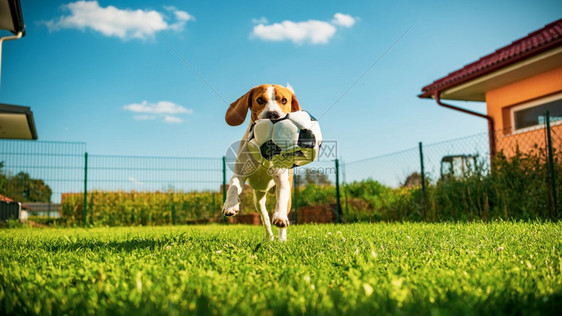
[(531, 104)]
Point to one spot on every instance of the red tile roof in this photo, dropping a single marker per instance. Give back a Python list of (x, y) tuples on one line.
[(7, 199), (536, 42)]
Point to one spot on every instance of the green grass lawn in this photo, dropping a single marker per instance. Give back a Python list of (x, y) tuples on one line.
[(498, 268)]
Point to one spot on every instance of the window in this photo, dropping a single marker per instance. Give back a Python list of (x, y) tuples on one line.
[(531, 114)]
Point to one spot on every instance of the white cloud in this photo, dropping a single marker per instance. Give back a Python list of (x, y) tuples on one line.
[(165, 110), (161, 107), (343, 20), (172, 119), (315, 32), (144, 117), (114, 22), (311, 31), (181, 16)]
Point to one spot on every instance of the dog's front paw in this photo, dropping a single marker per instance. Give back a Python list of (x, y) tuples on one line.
[(280, 221), (231, 209)]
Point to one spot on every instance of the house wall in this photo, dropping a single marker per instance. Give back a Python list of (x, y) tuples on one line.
[(499, 102)]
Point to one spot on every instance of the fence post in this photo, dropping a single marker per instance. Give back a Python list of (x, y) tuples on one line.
[(224, 184), (338, 203), (553, 210), (85, 188), (296, 197), (422, 181)]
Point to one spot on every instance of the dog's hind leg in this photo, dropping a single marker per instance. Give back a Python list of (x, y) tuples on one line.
[(283, 234), (259, 203)]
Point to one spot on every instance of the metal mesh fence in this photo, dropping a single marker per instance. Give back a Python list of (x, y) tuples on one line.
[(456, 157), (390, 170), (315, 195), (152, 190), (461, 178), (403, 168), (528, 140), (151, 174), (38, 173), (50, 179)]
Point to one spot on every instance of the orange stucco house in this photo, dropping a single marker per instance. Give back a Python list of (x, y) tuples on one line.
[(519, 83)]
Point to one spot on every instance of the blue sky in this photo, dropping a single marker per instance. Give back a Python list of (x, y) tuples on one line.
[(125, 76)]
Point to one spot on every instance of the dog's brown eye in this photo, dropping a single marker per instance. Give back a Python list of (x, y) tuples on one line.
[(260, 100), (284, 100)]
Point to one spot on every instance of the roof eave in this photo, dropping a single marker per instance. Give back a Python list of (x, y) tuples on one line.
[(474, 88), (543, 40)]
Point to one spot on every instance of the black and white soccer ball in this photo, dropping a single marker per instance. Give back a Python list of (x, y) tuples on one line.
[(289, 142)]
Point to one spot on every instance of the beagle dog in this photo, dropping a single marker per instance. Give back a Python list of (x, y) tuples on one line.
[(264, 102)]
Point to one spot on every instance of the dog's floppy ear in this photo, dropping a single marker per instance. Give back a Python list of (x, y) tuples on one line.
[(237, 111), (290, 88), (295, 104)]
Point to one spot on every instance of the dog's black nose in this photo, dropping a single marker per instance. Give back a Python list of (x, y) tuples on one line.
[(272, 115)]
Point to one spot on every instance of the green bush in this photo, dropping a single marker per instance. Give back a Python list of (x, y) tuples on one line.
[(370, 201), (316, 194), (514, 188)]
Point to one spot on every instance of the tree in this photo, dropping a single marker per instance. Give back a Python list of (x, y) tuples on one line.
[(23, 188), (3, 178)]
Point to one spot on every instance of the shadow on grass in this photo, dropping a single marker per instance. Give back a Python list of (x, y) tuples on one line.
[(199, 241)]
